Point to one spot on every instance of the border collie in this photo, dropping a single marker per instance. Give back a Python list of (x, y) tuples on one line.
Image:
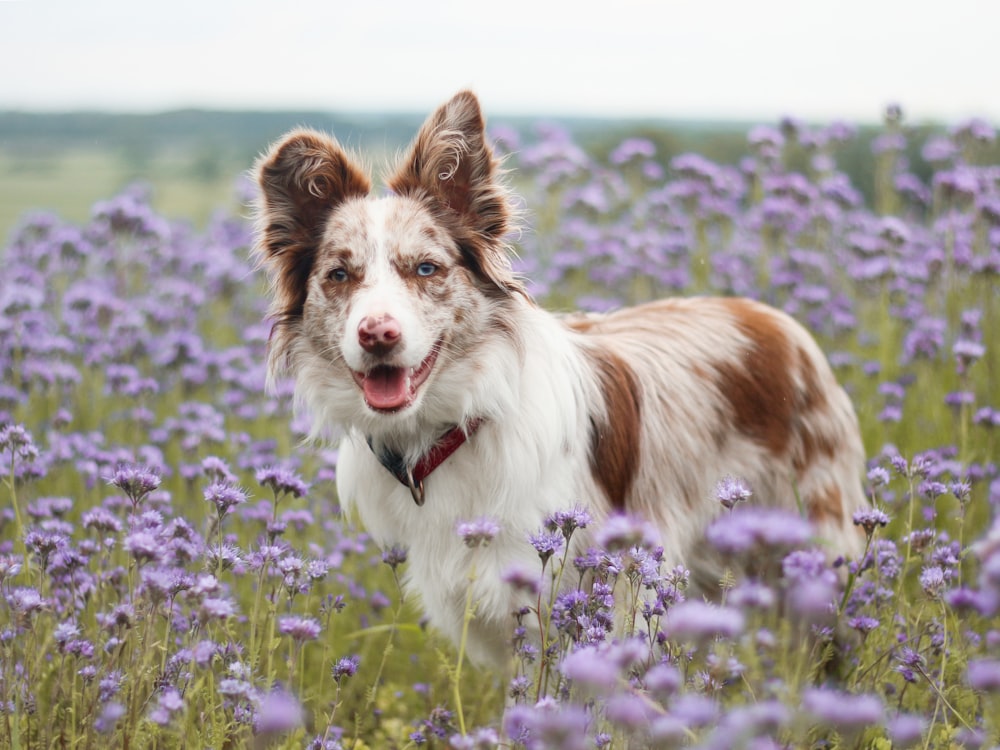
[(402, 323)]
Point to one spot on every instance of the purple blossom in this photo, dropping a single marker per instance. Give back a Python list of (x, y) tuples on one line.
[(345, 667), (143, 546), (101, 519), (590, 666), (863, 624), (522, 579), (568, 521), (213, 608), (9, 567), (299, 628), (168, 703), (17, 442), (933, 581), (984, 675), (747, 529), (843, 711), (869, 519), (698, 620), (26, 601), (477, 533), (394, 556), (109, 716), (137, 482), (623, 532), (225, 497), (277, 713), (547, 543), (731, 490), (281, 481)]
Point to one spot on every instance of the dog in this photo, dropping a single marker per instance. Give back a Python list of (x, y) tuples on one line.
[(402, 322)]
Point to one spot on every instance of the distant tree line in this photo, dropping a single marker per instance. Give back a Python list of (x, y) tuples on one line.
[(215, 143)]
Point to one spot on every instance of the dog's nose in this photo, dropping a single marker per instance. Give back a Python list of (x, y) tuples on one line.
[(379, 334)]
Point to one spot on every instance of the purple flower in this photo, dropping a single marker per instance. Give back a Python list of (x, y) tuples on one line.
[(984, 675), (869, 519), (522, 579), (477, 533), (345, 667), (299, 628), (752, 595), (235, 688), (863, 625), (592, 667), (905, 730), (568, 521), (64, 632), (135, 481), (143, 546), (630, 711), (663, 680), (26, 601), (168, 703), (933, 581), (750, 529), (732, 490), (547, 543), (281, 481), (548, 725), (213, 608), (101, 519), (622, 532), (842, 711), (967, 353), (699, 620), (16, 441), (217, 470), (107, 720), (278, 712), (394, 556), (814, 599), (224, 496)]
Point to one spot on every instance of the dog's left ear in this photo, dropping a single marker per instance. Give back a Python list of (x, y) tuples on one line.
[(454, 171)]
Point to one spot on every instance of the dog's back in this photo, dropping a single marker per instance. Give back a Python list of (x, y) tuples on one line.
[(702, 388)]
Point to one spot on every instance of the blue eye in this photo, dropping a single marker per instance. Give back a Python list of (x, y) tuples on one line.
[(426, 269), (338, 274)]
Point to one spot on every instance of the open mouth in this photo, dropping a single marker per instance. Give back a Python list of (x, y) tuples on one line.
[(388, 389)]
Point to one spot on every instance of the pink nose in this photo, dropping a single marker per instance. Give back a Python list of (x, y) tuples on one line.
[(379, 334)]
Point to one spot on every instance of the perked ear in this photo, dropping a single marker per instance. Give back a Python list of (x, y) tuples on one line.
[(302, 179), (455, 173)]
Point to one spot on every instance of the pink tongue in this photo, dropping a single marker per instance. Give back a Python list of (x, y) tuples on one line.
[(386, 387)]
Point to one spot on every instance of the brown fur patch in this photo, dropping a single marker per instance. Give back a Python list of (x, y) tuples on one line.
[(760, 387), (302, 179), (826, 507), (813, 444), (615, 441)]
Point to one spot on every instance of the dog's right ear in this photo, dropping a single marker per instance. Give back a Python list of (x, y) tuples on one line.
[(302, 179)]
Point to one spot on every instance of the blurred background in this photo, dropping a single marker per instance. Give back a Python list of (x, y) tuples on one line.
[(184, 95)]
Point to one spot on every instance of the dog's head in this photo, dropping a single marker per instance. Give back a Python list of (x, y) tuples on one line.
[(375, 296)]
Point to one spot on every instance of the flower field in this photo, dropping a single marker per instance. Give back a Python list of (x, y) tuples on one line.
[(175, 570)]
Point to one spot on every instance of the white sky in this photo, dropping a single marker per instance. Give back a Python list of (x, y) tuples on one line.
[(742, 59)]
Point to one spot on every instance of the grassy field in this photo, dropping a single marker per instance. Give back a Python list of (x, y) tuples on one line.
[(69, 182), (175, 570)]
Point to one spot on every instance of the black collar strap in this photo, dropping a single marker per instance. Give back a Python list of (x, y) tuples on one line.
[(413, 477)]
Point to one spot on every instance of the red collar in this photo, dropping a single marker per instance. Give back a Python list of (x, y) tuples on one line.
[(413, 477)]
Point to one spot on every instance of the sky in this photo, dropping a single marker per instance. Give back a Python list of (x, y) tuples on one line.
[(756, 60)]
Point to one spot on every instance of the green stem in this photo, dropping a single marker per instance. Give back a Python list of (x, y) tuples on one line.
[(470, 612)]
